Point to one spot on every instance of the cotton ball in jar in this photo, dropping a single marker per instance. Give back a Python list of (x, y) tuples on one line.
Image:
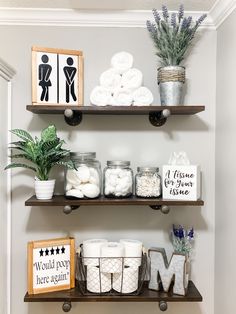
[(124, 173), (112, 180)]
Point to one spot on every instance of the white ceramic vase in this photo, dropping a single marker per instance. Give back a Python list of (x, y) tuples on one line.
[(44, 189)]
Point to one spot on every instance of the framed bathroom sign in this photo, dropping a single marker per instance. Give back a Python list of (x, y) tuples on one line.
[(57, 76), (51, 265)]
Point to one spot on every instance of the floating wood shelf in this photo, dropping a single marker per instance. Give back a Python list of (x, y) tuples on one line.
[(73, 295), (70, 204), (120, 110), (60, 200), (157, 114)]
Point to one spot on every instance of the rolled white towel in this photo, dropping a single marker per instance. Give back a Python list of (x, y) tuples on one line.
[(110, 79), (132, 79), (100, 96), (122, 62), (142, 97), (122, 97)]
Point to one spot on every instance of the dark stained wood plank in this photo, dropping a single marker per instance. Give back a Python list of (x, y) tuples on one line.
[(60, 200), (116, 110), (73, 295)]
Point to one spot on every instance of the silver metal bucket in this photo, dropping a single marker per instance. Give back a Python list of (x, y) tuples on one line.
[(171, 90)]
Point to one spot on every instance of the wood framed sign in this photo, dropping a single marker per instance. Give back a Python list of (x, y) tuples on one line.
[(57, 76), (51, 265)]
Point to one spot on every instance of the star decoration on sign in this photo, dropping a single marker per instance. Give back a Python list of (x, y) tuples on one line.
[(52, 251)]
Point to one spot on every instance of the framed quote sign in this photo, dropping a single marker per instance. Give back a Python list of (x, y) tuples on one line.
[(57, 76), (181, 182), (51, 265)]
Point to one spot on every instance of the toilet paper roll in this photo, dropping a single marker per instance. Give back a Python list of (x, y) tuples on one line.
[(126, 282), (112, 257), (91, 250), (133, 248), (97, 282)]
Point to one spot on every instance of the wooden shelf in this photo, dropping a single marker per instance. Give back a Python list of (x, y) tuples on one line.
[(73, 295), (157, 114), (116, 110), (60, 200)]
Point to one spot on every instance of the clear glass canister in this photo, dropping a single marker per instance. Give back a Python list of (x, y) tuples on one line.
[(118, 179), (85, 181), (148, 182)]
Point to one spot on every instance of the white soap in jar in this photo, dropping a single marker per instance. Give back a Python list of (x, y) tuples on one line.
[(85, 180)]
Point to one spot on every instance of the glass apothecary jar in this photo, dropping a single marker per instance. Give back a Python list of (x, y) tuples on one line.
[(85, 181), (118, 179), (148, 182)]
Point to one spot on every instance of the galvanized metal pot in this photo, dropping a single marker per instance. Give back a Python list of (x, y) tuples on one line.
[(171, 80)]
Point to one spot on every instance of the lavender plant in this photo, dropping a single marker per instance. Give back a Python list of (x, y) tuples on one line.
[(172, 34), (182, 239)]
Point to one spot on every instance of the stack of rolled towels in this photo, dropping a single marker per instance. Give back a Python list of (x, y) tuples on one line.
[(121, 85), (112, 265)]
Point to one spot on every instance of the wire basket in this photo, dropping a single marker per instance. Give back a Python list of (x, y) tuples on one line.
[(110, 275)]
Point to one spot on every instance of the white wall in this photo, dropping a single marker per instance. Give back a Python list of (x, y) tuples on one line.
[(131, 138), (225, 271)]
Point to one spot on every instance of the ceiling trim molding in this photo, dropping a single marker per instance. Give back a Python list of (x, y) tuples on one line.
[(83, 18), (104, 18), (221, 10)]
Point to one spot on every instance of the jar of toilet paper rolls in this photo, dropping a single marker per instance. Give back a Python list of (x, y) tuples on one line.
[(148, 182), (85, 181), (118, 179)]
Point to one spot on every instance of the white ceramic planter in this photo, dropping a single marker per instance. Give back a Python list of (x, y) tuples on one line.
[(44, 189)]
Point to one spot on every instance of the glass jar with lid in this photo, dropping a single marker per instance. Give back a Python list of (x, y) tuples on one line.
[(85, 181), (118, 179), (148, 182)]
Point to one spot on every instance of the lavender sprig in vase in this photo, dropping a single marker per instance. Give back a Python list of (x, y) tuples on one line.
[(172, 35), (182, 240)]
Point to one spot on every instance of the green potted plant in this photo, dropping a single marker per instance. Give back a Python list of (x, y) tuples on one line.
[(41, 156), (172, 36)]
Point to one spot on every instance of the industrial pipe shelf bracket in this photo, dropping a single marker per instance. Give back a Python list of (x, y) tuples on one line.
[(159, 118), (72, 117)]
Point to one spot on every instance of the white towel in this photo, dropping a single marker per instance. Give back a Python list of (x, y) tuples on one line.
[(132, 79), (122, 97), (100, 96), (122, 62), (142, 97), (110, 79)]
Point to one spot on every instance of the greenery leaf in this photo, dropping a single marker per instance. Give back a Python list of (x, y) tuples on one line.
[(49, 134), (69, 164), (18, 165), (24, 135), (21, 156)]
